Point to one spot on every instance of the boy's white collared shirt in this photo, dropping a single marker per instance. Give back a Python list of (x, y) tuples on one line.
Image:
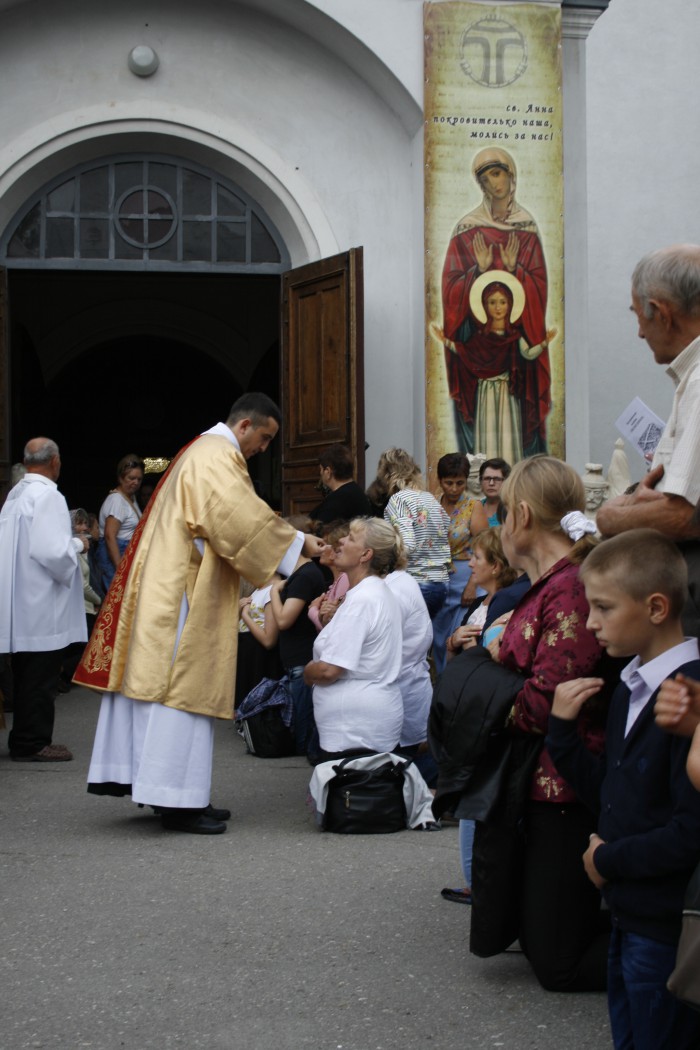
[(643, 681)]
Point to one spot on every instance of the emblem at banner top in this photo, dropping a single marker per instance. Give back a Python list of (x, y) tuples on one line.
[(493, 52)]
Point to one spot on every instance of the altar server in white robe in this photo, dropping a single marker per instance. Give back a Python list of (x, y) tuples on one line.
[(41, 599), (164, 646)]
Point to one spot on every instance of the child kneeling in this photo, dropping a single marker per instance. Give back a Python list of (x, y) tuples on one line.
[(648, 840)]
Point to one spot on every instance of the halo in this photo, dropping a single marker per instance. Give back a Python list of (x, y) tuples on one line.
[(502, 277)]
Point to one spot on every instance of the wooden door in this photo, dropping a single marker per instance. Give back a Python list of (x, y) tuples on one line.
[(5, 463), (322, 372)]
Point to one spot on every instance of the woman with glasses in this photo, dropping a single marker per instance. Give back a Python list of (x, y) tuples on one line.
[(119, 516), (492, 474)]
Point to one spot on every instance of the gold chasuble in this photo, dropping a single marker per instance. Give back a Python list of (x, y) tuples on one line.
[(206, 494)]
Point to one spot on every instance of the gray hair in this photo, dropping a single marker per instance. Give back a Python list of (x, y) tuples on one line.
[(671, 275), (42, 454), (385, 542)]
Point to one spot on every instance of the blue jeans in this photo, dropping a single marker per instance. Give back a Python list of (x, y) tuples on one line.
[(449, 615), (434, 595), (107, 569), (643, 1013), (302, 700), (466, 848)]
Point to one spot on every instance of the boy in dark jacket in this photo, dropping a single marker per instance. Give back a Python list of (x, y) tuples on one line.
[(648, 840)]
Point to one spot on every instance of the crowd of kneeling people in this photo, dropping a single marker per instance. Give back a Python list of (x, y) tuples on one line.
[(560, 733)]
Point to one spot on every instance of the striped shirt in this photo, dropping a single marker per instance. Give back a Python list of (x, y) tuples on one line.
[(424, 526), (678, 450)]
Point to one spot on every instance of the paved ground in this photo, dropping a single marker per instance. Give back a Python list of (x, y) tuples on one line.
[(273, 936)]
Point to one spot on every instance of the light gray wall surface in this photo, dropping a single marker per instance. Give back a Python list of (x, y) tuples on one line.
[(643, 151)]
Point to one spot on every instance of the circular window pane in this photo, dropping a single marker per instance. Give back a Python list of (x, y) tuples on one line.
[(146, 218)]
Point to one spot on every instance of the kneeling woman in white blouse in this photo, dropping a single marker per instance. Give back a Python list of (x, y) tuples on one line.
[(357, 657)]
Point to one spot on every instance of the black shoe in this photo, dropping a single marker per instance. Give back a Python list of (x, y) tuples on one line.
[(459, 896), (210, 811), (195, 825), (50, 753), (217, 814)]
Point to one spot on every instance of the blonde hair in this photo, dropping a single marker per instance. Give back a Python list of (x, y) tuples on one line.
[(398, 470), (551, 489), (489, 541), (385, 543)]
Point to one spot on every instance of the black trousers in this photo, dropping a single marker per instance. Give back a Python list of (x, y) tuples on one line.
[(562, 929), (35, 678)]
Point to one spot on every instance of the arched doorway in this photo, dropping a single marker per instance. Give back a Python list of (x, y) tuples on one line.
[(161, 269), (144, 298)]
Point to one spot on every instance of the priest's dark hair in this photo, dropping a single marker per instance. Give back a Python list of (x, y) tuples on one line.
[(257, 407)]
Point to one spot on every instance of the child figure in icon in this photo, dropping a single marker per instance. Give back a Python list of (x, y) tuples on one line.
[(495, 374)]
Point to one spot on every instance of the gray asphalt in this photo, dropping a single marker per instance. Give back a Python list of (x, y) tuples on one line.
[(274, 936)]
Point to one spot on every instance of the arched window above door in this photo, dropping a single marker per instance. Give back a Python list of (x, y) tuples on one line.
[(144, 214)]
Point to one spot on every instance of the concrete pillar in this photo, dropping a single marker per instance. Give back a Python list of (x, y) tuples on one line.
[(577, 22)]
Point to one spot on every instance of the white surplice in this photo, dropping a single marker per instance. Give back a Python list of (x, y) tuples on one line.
[(41, 586), (164, 753)]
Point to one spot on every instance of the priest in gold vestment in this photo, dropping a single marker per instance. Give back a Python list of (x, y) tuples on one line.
[(163, 650)]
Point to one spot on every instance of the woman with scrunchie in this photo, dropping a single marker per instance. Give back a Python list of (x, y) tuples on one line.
[(119, 516), (357, 657), (557, 909), (546, 640)]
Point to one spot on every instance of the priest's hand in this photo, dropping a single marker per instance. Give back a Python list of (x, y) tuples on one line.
[(313, 545)]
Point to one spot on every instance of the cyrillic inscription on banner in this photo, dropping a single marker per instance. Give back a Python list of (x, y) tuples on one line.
[(493, 230)]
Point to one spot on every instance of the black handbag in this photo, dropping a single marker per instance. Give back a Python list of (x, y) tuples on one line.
[(684, 982), (267, 736), (261, 721), (366, 801)]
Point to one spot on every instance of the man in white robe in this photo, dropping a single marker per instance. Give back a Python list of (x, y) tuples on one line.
[(164, 647), (41, 599)]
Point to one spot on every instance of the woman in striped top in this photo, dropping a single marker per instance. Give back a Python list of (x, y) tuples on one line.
[(421, 521)]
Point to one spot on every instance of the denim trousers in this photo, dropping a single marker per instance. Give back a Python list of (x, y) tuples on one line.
[(466, 848), (434, 595), (643, 1013), (302, 700)]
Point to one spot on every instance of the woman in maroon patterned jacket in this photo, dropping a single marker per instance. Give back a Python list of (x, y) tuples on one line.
[(546, 640)]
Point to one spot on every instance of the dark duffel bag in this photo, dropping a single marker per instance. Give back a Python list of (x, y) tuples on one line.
[(267, 736), (366, 801)]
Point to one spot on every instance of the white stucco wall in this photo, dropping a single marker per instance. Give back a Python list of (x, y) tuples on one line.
[(643, 150), (313, 106), (329, 150)]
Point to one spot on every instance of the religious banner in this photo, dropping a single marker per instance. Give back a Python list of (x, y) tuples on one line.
[(493, 230)]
